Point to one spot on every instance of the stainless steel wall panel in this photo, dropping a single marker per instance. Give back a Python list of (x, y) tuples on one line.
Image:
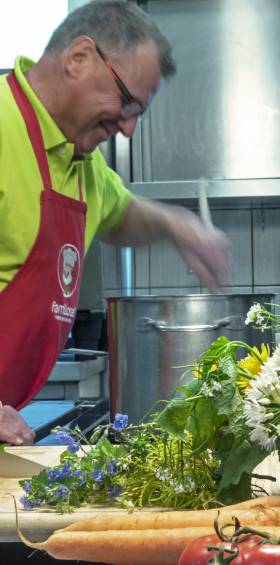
[(266, 247), (239, 190), (219, 117)]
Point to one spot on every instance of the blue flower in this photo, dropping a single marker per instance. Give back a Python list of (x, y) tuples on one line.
[(62, 492), (115, 490), (98, 476), (113, 468), (65, 438), (28, 504), (54, 475), (81, 476), (121, 421), (27, 486), (66, 470), (73, 447)]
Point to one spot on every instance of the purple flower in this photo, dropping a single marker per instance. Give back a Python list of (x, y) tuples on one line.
[(28, 504), (54, 475), (113, 468), (98, 476), (115, 490), (62, 492), (66, 470), (73, 447), (121, 421), (81, 476), (27, 486), (65, 438)]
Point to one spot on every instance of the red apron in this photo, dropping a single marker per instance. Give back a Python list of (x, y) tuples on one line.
[(38, 307)]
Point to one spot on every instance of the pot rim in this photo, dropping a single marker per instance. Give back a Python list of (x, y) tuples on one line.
[(213, 297)]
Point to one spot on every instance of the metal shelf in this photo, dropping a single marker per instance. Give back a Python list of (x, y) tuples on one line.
[(228, 191)]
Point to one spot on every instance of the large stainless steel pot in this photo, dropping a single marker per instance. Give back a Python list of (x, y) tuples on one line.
[(150, 336)]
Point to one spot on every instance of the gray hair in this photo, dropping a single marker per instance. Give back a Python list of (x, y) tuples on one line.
[(117, 26)]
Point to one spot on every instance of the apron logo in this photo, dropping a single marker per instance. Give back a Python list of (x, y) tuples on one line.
[(68, 269)]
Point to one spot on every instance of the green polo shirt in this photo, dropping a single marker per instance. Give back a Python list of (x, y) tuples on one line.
[(21, 185)]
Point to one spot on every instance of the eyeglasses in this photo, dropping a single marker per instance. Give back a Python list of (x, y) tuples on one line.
[(131, 106)]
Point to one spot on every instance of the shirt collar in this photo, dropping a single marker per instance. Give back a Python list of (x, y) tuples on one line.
[(52, 135)]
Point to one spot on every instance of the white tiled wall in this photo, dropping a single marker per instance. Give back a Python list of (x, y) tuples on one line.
[(159, 269)]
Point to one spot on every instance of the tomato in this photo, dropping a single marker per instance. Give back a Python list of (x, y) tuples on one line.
[(196, 553)]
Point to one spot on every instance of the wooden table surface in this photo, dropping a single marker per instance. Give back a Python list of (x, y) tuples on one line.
[(39, 523)]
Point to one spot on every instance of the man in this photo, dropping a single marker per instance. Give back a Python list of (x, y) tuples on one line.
[(98, 74)]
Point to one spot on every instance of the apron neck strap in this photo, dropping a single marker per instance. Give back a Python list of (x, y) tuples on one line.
[(33, 128)]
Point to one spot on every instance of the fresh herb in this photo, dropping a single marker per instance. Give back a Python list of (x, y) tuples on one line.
[(200, 447), (138, 466)]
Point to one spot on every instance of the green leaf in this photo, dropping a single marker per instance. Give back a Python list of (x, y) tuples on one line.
[(241, 459), (191, 389), (226, 401), (224, 442), (229, 404), (2, 446), (67, 455), (201, 422), (173, 417), (237, 493), (228, 368), (105, 451), (213, 353), (105, 446)]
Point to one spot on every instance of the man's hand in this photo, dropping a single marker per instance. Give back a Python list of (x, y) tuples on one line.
[(13, 428), (206, 250)]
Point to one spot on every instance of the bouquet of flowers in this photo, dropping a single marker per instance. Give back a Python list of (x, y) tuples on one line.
[(191, 451)]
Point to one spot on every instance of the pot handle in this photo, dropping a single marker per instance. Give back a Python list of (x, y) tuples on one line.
[(145, 324)]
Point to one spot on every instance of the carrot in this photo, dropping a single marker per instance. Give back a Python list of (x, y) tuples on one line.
[(133, 547), (272, 500), (140, 547), (177, 519), (126, 547)]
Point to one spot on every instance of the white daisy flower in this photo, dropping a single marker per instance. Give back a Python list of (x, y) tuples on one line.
[(255, 315), (206, 391), (162, 474), (216, 387), (260, 400)]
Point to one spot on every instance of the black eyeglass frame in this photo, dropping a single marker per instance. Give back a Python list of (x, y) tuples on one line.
[(132, 106)]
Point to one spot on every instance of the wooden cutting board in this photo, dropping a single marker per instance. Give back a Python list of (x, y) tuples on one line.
[(40, 523), (25, 461)]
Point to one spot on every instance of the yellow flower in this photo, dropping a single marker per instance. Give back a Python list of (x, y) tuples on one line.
[(251, 365), (197, 373)]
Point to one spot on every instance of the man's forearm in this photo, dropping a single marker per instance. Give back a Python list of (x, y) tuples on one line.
[(205, 249), (144, 222)]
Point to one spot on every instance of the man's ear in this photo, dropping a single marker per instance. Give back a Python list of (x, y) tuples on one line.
[(79, 56)]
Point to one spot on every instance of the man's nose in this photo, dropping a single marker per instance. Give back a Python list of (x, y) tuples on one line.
[(128, 125)]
